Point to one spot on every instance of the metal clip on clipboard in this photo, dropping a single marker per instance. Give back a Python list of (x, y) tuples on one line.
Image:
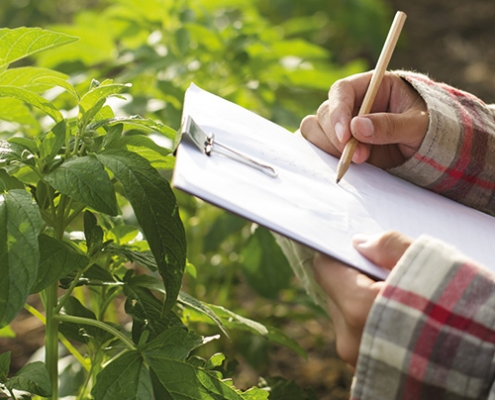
[(207, 144)]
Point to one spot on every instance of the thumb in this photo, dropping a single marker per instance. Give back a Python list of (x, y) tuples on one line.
[(408, 128), (385, 249)]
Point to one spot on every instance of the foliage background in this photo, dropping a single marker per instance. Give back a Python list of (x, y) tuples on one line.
[(277, 58)]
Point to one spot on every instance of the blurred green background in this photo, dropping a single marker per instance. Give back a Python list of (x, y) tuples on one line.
[(277, 58)]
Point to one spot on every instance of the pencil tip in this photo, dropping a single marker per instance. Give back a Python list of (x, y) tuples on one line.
[(337, 180)]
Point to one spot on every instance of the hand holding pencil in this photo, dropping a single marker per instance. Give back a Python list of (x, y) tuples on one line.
[(388, 136)]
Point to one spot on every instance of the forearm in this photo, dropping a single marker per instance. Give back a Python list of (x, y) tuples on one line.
[(430, 331), (457, 157)]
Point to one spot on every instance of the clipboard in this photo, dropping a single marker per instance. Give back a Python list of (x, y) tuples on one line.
[(303, 202)]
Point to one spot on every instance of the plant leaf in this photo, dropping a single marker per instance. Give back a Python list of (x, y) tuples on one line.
[(53, 141), (156, 211), (51, 81), (177, 342), (80, 332), (166, 356), (282, 389), (264, 264), (4, 366), (30, 78), (32, 378), (125, 378), (32, 98), (146, 310), (136, 122), (11, 151), (93, 100), (84, 179), (14, 110), (224, 225), (201, 307), (57, 259), (20, 225), (232, 321), (8, 182), (147, 148), (21, 42), (93, 233)]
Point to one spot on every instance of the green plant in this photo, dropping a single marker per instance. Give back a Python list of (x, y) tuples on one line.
[(85, 217)]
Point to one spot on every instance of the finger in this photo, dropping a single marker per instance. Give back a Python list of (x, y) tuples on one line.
[(407, 129), (342, 283), (344, 98), (347, 340), (385, 250), (312, 131)]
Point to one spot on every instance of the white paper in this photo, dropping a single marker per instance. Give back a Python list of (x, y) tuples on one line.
[(303, 202)]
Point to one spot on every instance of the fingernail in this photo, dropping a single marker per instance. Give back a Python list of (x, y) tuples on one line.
[(357, 154), (364, 126), (339, 131)]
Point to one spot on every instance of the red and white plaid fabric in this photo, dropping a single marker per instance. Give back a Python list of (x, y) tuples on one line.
[(431, 332)]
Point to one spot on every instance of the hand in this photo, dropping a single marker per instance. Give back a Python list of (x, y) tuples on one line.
[(351, 293), (387, 137)]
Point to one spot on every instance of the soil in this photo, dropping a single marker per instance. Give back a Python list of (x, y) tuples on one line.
[(452, 41)]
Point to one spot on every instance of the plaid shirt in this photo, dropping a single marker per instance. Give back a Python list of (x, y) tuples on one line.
[(431, 332)]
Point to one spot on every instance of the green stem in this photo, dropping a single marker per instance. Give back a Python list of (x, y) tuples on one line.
[(98, 324), (68, 345), (68, 292), (51, 350)]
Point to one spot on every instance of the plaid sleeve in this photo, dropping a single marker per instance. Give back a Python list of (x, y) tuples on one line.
[(430, 338), (456, 158)]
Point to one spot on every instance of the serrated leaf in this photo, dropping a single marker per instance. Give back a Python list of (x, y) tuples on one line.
[(125, 378), (57, 259), (20, 225), (84, 179), (156, 210), (31, 98), (32, 378), (30, 78), (264, 264), (21, 42)]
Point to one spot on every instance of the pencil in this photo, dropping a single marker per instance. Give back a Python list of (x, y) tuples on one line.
[(376, 79)]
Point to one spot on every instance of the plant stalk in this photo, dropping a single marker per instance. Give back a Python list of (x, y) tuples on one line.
[(51, 349), (98, 324)]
